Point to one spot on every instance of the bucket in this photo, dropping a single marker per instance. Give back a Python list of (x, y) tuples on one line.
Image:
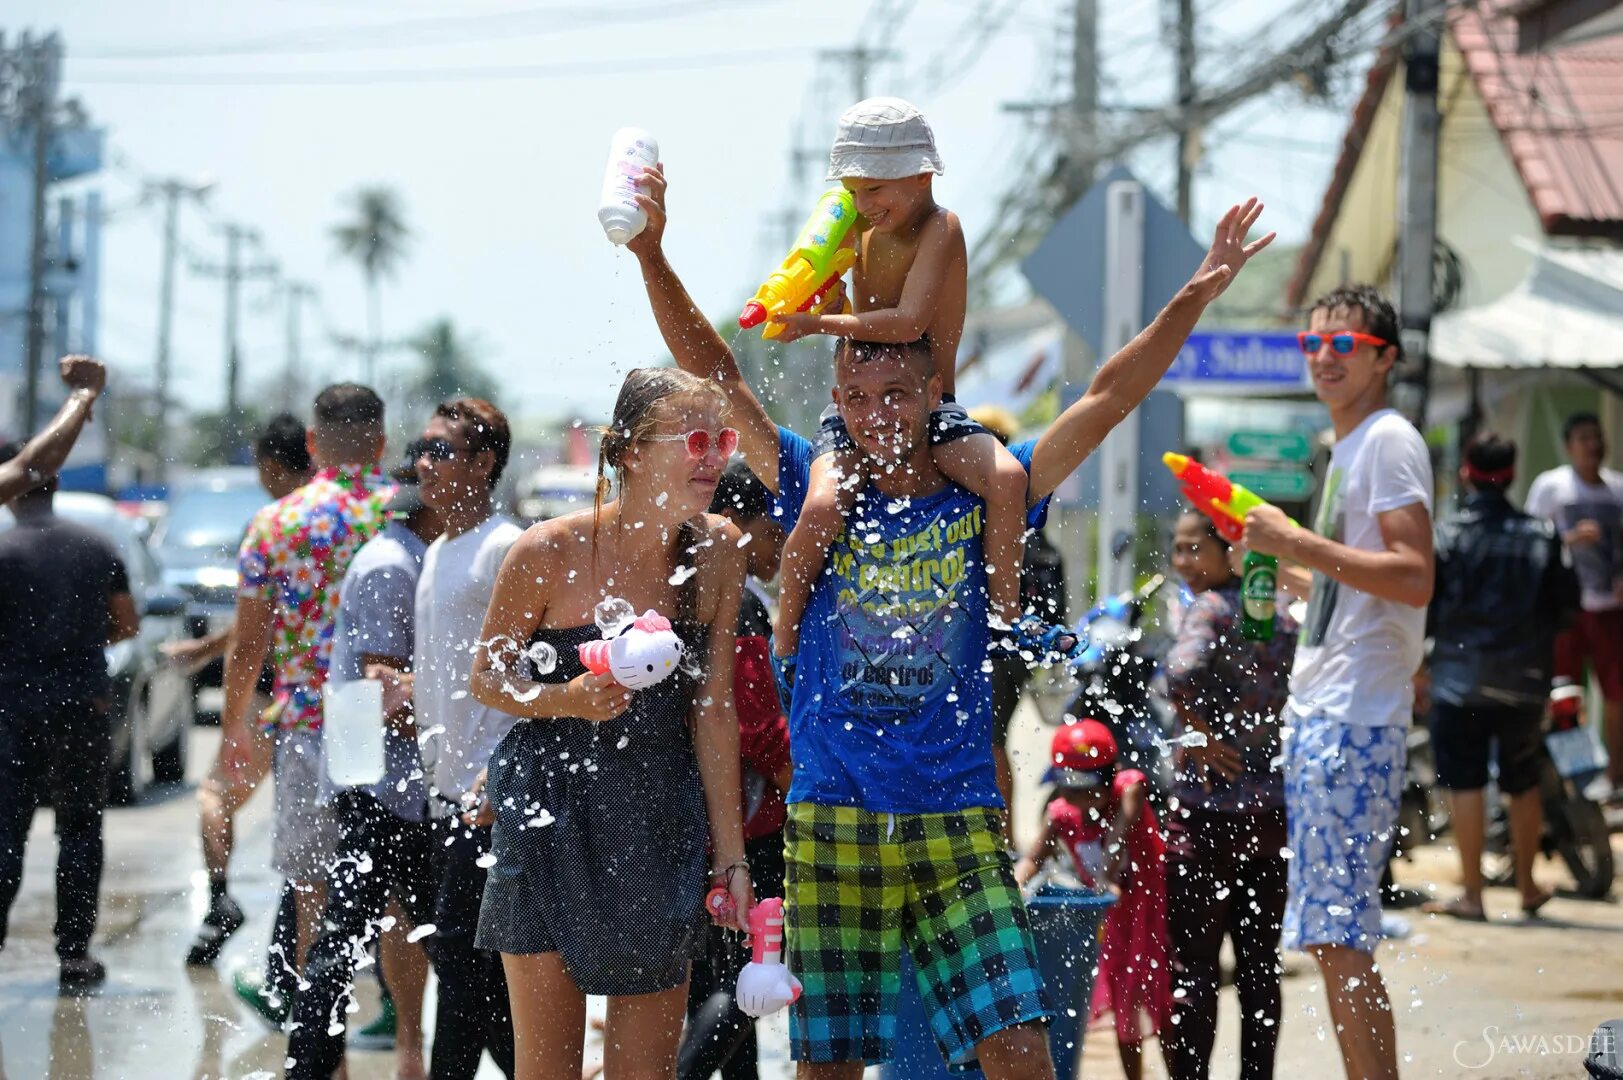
[(1065, 928)]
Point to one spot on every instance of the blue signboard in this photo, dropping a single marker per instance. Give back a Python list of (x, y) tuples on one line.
[(1240, 361)]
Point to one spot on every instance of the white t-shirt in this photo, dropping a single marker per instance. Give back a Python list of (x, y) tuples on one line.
[(1562, 497), (459, 574), (1358, 653)]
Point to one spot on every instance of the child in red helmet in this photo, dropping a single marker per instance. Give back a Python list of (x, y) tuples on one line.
[(1104, 820)]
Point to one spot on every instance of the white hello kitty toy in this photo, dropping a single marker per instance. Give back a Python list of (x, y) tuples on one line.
[(644, 653), (765, 985)]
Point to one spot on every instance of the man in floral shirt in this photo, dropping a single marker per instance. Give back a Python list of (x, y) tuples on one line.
[(291, 563)]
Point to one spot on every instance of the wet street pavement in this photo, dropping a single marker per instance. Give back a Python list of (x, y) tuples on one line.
[(1502, 999), (156, 1019)]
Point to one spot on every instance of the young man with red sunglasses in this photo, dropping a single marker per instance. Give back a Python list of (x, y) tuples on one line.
[(1370, 552)]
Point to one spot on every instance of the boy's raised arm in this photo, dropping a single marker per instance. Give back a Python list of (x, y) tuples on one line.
[(1126, 379), (694, 343)]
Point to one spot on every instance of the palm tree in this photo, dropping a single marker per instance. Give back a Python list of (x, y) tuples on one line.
[(375, 238), (450, 364)]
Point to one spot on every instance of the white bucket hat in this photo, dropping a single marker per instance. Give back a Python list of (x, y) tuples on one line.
[(883, 138)]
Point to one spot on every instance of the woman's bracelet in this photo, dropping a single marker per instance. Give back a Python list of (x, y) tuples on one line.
[(728, 870)]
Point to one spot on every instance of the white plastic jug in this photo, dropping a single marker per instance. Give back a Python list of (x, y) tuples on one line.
[(352, 731), (630, 152)]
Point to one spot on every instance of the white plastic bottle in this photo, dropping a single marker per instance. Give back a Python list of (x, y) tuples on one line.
[(631, 151), (352, 732)]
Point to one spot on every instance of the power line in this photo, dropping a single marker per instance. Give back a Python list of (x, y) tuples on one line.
[(474, 73), (1027, 210), (435, 31)]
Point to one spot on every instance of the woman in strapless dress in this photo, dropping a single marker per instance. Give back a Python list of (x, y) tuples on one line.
[(616, 811)]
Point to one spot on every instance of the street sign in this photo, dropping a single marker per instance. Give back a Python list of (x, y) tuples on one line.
[(1068, 267), (1271, 445), (1239, 361), (1282, 485)]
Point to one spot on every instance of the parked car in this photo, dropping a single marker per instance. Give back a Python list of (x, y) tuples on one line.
[(196, 546), (555, 490), (152, 710)]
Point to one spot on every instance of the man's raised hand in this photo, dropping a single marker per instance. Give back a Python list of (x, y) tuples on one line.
[(1229, 252), (83, 373)]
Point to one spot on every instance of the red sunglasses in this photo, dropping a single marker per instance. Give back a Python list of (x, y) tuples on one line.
[(698, 441), (1342, 342)]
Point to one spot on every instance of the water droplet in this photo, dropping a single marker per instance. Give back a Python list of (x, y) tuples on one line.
[(485, 861), (418, 933)]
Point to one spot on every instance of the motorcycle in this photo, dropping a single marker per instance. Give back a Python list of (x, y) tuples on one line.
[(1115, 665), (1574, 824)]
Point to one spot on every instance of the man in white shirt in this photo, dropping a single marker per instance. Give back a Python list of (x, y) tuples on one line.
[(1362, 640), (464, 450), (1585, 501)]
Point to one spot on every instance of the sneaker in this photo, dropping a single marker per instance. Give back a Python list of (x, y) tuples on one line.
[(81, 974), (224, 918), (252, 990), (379, 1034)]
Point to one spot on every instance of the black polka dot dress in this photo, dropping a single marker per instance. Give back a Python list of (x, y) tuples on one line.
[(601, 837)]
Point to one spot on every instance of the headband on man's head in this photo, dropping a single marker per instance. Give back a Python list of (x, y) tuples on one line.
[(1498, 478)]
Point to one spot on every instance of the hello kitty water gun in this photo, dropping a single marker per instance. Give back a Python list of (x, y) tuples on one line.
[(644, 653), (765, 985)]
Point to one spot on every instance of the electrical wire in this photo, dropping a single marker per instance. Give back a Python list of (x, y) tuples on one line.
[(433, 31), (475, 73)]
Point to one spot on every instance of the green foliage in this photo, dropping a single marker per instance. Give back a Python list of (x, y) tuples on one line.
[(450, 364)]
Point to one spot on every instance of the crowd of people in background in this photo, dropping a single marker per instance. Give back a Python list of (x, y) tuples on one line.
[(541, 832)]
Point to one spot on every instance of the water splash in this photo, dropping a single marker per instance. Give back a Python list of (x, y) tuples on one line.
[(420, 932), (523, 697), (613, 615), (543, 658)]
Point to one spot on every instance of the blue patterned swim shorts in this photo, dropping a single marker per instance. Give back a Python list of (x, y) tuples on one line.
[(1343, 783)]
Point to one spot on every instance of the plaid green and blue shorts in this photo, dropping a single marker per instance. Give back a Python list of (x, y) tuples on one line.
[(861, 885)]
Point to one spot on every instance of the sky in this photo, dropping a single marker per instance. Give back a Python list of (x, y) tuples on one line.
[(493, 123)]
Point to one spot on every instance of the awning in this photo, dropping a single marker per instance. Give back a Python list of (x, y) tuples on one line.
[(1567, 313)]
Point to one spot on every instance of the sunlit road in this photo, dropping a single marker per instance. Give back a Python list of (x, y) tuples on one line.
[(1531, 989)]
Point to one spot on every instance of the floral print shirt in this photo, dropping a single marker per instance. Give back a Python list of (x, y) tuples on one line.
[(294, 557)]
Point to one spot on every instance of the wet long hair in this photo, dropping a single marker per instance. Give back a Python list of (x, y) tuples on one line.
[(633, 419)]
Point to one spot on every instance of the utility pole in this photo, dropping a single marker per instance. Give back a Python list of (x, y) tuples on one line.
[(35, 71), (1081, 129), (1417, 202), (860, 62), (171, 191), (1081, 125), (234, 273), (1188, 133), (297, 293)]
